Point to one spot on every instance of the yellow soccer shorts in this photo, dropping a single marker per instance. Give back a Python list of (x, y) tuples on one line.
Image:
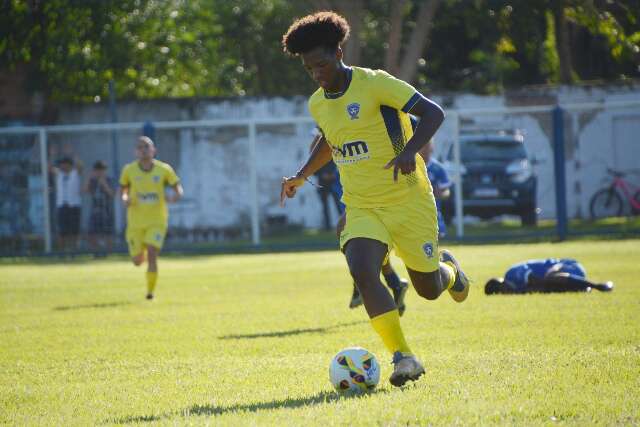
[(411, 228), (139, 238)]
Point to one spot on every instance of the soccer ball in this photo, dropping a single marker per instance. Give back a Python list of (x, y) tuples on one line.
[(354, 369)]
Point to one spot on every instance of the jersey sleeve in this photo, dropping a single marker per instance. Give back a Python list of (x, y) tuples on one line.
[(171, 178), (125, 179), (394, 92)]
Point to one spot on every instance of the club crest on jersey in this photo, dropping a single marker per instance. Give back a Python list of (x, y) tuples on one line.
[(156, 179), (353, 109), (428, 249)]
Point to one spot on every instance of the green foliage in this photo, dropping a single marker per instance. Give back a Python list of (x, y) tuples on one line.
[(247, 340), (550, 65), (177, 48)]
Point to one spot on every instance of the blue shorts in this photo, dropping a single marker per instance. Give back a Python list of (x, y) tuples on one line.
[(569, 266)]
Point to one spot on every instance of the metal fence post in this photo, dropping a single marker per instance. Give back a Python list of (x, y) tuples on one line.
[(44, 166), (253, 185), (457, 175), (560, 172)]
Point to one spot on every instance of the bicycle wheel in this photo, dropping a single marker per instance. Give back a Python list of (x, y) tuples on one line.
[(636, 198), (606, 203)]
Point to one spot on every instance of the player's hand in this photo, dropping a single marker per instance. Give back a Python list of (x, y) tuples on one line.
[(172, 198), (404, 162), (126, 201), (290, 187)]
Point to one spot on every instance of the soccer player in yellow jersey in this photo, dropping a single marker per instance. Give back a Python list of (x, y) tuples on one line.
[(363, 116), (143, 185)]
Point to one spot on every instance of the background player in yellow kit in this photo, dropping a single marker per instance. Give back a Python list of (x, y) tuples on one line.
[(364, 120), (143, 185)]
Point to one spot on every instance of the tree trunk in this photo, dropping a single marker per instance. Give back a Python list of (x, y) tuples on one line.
[(418, 40), (562, 43), (394, 38), (354, 11)]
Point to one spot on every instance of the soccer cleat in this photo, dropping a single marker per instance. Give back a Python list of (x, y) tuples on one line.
[(356, 298), (405, 368), (398, 295), (603, 287), (460, 289), (149, 296)]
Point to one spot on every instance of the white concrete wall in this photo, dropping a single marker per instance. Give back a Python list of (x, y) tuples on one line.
[(214, 164)]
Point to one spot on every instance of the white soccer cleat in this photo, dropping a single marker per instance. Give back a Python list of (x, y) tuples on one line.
[(406, 368)]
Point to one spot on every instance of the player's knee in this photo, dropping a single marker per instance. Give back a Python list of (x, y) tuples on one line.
[(429, 292), (137, 260), (428, 287)]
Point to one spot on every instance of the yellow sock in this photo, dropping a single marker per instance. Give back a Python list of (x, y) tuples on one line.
[(387, 325), (152, 278), (452, 273)]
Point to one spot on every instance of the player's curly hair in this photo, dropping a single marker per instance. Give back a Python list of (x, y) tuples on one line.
[(319, 29)]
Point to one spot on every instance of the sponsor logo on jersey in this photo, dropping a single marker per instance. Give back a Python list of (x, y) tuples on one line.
[(353, 109), (148, 197), (351, 152)]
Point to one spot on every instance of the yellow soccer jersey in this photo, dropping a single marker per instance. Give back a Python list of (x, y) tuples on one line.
[(146, 191), (367, 126)]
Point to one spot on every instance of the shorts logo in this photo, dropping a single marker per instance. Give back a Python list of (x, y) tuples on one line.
[(158, 237), (353, 109), (428, 249)]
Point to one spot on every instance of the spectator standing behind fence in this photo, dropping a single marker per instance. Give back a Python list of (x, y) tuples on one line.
[(440, 183), (101, 189), (143, 185), (328, 186), (68, 202)]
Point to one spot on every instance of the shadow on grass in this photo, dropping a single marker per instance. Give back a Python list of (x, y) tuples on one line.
[(213, 410), (97, 305), (282, 334)]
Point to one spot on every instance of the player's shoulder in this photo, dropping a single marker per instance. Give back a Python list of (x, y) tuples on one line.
[(162, 165), (369, 74), (316, 97), (130, 167), (167, 171)]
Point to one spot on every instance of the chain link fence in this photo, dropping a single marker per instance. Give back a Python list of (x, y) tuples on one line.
[(542, 172)]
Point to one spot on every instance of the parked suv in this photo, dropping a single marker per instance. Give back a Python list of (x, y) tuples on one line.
[(496, 178)]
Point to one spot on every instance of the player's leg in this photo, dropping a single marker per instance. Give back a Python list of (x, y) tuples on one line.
[(356, 298), (153, 240), (566, 282), (152, 270), (414, 228), (134, 238), (397, 285), (364, 241), (324, 198)]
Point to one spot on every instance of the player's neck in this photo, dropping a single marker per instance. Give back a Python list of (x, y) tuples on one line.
[(341, 82), (146, 164)]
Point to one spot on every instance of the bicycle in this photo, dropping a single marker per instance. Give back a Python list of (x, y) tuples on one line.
[(608, 202)]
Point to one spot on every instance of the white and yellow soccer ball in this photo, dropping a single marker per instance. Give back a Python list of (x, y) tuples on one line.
[(354, 369)]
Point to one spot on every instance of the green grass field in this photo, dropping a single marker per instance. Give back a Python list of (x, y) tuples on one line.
[(247, 340)]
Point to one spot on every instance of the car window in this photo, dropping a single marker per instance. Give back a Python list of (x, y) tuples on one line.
[(491, 150)]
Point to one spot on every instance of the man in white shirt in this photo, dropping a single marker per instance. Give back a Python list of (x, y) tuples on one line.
[(68, 202)]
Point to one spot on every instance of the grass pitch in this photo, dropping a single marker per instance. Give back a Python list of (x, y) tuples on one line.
[(237, 340)]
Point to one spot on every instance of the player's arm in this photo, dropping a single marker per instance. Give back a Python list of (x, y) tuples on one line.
[(178, 192), (431, 117), (320, 156), (444, 186)]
